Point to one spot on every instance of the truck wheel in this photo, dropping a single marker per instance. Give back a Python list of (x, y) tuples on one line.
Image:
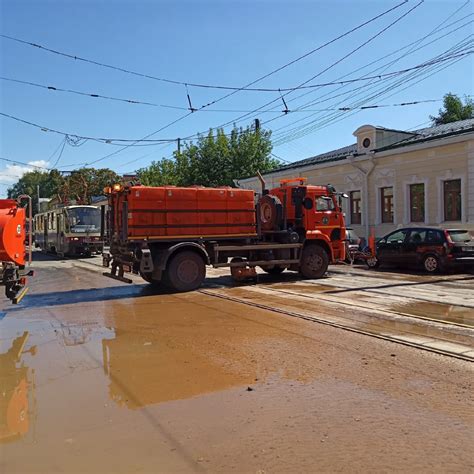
[(185, 272), (314, 261), (275, 270)]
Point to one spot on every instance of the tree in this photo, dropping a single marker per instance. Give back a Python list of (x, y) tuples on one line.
[(82, 184), (454, 110), (159, 173), (214, 160), (49, 184)]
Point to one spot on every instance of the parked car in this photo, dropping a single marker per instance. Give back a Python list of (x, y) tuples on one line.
[(431, 248), (353, 244)]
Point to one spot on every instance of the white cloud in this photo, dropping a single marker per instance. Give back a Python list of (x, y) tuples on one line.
[(12, 173)]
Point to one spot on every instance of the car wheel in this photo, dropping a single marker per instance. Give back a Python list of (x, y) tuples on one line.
[(373, 262), (431, 263)]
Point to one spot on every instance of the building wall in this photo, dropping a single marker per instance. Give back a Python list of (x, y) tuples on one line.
[(430, 163)]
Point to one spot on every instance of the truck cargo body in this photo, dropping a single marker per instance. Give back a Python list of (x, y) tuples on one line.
[(169, 234), (13, 252)]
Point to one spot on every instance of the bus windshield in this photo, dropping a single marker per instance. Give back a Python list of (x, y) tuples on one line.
[(84, 219)]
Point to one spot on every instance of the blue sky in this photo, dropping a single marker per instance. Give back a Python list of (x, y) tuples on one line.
[(215, 42)]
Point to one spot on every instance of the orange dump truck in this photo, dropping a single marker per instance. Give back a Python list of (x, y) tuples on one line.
[(13, 255), (169, 234)]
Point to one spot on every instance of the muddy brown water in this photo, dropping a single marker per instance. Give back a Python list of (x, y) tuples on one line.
[(442, 311), (117, 379), (353, 316)]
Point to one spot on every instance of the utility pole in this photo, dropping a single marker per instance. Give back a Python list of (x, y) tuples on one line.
[(179, 146), (38, 193)]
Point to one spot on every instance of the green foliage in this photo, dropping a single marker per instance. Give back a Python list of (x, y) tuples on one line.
[(454, 110), (48, 182), (159, 173), (214, 160)]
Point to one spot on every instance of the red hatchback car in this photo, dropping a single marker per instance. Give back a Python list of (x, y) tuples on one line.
[(431, 248)]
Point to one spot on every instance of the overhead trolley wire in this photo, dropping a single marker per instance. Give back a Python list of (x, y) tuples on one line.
[(216, 100), (430, 65), (193, 84), (291, 133), (325, 70), (372, 75), (81, 137), (412, 48), (386, 89)]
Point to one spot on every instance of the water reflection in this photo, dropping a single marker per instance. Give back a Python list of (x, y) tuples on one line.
[(15, 383), (159, 354)]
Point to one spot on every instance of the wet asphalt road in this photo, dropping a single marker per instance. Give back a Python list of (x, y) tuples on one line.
[(98, 376)]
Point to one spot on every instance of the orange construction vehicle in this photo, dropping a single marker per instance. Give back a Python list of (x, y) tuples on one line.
[(169, 234), (13, 254)]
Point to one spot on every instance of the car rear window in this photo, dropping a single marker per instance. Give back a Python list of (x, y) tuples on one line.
[(459, 235), (350, 234)]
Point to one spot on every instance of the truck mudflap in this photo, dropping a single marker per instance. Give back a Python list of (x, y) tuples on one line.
[(116, 272)]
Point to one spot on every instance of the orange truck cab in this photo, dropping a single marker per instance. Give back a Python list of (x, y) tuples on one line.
[(169, 234)]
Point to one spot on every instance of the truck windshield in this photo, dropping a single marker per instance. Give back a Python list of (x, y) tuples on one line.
[(324, 203), (84, 219)]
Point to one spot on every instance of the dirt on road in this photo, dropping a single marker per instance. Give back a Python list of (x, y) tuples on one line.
[(101, 377)]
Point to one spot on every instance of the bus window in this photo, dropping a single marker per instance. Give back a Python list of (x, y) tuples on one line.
[(84, 219)]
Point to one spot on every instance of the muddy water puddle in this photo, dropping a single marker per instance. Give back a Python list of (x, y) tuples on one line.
[(136, 353), (355, 317), (308, 288), (440, 311), (314, 290), (128, 381)]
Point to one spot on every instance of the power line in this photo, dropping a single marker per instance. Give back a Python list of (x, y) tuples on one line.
[(326, 69), (89, 94), (25, 164), (138, 102), (304, 130), (426, 63), (233, 92), (192, 84), (60, 153), (436, 30), (359, 102), (107, 141)]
